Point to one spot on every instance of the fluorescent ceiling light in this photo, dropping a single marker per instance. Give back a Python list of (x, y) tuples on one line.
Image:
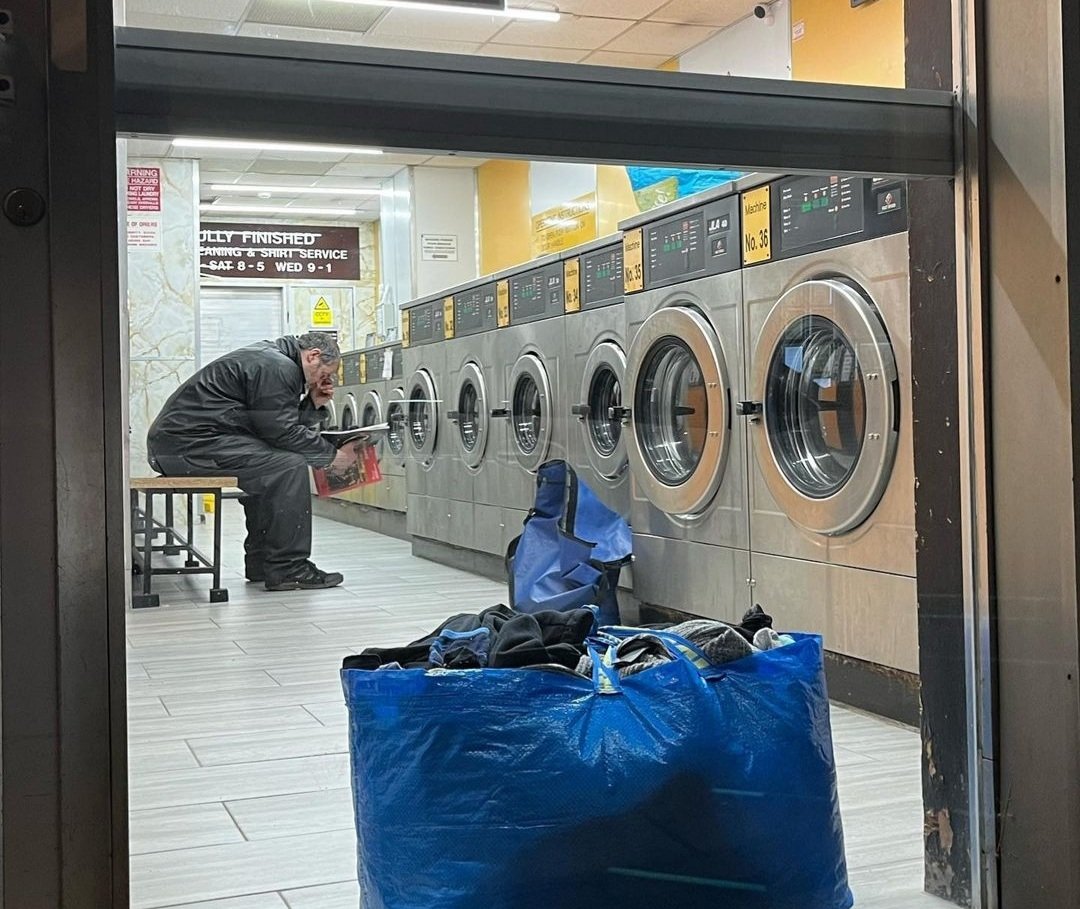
[(298, 147), (252, 190), (511, 12), (274, 210)]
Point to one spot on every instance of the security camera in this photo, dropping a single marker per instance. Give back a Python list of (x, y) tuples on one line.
[(762, 12)]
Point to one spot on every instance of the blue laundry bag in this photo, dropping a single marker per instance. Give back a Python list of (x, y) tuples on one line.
[(687, 785), (571, 551)]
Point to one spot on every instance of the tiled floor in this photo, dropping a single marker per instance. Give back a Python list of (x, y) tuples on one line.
[(239, 770)]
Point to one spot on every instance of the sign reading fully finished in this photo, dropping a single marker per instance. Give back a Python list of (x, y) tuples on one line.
[(279, 252)]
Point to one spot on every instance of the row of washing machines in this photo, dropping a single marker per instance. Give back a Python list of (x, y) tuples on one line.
[(742, 394)]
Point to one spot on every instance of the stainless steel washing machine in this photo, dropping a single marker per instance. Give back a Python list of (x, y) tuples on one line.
[(687, 449), (595, 375), (394, 446), (475, 389), (427, 468), (531, 347), (832, 486)]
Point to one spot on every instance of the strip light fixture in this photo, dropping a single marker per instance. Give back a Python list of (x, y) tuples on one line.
[(276, 210), (247, 189), (256, 146), (509, 12)]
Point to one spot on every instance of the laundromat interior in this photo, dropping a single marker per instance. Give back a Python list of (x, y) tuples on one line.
[(752, 362)]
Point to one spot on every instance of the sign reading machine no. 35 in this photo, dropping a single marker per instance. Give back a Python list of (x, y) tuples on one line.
[(281, 252)]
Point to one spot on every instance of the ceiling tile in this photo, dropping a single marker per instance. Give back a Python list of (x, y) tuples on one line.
[(409, 23), (372, 171), (455, 161), (585, 32), (180, 24), (239, 164), (636, 61), (276, 166), (659, 38), (148, 148), (299, 181), (609, 9), (720, 13), (369, 182), (529, 52), (323, 14), (292, 33), (218, 176), (189, 9)]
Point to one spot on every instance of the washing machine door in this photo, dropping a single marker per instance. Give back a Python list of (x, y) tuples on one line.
[(601, 409), (530, 411), (471, 415), (349, 412), (371, 414), (330, 421), (680, 410), (396, 417), (826, 376), (422, 415)]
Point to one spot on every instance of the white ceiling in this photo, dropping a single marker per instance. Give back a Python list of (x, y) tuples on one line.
[(292, 173), (635, 33)]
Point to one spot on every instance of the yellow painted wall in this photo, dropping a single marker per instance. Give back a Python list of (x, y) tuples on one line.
[(853, 46), (614, 198), (672, 66), (505, 214), (507, 226)]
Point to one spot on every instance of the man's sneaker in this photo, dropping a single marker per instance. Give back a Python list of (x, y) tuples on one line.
[(307, 578)]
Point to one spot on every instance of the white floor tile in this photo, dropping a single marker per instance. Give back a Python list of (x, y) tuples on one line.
[(185, 827), (294, 815)]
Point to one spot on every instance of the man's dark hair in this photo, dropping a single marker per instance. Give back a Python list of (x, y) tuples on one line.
[(325, 343)]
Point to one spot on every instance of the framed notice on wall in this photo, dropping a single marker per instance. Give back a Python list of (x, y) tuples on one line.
[(279, 251)]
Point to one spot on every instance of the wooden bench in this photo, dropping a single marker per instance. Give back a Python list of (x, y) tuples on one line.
[(150, 528)]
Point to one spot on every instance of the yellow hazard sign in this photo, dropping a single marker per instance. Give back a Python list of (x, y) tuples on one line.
[(322, 316)]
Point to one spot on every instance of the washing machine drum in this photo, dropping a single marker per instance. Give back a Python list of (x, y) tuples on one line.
[(530, 411), (371, 413), (826, 377), (680, 410), (349, 413), (471, 415), (602, 408), (422, 414), (397, 419)]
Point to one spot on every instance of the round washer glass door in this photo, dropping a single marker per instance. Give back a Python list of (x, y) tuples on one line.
[(349, 412), (827, 380), (601, 410), (680, 411), (422, 415), (371, 414), (530, 411), (471, 416), (396, 417)]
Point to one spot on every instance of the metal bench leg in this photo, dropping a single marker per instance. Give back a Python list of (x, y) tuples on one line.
[(191, 562), (170, 531), (146, 598), (218, 594)]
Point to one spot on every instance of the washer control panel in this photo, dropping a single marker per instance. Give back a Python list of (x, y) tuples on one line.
[(602, 277), (537, 294), (475, 311), (693, 244), (426, 323)]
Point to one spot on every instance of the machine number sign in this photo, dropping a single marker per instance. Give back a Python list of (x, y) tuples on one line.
[(363, 369), (448, 318), (572, 285), (756, 215), (633, 262), (502, 294), (404, 328)]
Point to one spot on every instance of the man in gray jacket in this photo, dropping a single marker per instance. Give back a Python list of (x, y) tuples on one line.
[(247, 415)]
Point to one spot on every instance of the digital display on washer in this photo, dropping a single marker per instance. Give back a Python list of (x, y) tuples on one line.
[(474, 310), (818, 209), (677, 247), (536, 293), (421, 324), (603, 276)]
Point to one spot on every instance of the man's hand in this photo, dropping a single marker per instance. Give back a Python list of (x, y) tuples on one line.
[(322, 393), (345, 458)]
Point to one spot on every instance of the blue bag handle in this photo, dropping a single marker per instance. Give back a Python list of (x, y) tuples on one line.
[(678, 646), (605, 678)]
